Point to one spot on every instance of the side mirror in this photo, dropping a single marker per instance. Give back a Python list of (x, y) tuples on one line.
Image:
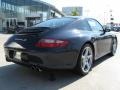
[(107, 29)]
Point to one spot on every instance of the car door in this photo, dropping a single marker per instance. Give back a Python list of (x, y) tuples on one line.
[(102, 39)]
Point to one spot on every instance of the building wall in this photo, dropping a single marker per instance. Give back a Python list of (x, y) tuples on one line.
[(0, 17), (23, 11)]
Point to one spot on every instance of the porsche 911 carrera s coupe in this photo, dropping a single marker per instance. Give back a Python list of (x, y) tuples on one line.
[(61, 43)]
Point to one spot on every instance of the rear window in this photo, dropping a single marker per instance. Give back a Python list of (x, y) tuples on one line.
[(53, 23)]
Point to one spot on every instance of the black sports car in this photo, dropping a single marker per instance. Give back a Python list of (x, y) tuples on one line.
[(61, 43)]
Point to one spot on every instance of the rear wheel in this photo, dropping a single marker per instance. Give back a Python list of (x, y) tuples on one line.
[(85, 60)]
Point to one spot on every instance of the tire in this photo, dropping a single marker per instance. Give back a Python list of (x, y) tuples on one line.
[(85, 60), (114, 47)]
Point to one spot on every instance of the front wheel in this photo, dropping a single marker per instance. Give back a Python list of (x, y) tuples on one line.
[(114, 47), (85, 60)]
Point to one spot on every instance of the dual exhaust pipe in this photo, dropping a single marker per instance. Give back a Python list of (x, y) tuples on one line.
[(36, 68), (51, 75)]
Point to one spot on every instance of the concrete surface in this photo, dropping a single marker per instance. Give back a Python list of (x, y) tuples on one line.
[(104, 76)]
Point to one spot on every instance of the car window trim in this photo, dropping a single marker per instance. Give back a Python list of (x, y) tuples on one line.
[(96, 21)]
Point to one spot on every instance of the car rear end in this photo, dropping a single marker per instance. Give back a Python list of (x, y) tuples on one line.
[(31, 49)]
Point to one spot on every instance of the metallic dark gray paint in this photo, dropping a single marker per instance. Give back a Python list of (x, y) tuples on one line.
[(65, 57)]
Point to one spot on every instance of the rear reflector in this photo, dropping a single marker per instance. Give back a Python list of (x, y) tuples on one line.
[(51, 43)]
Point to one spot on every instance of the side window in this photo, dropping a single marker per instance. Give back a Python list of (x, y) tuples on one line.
[(95, 26), (83, 25)]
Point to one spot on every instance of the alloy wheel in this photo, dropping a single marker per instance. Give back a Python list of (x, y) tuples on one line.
[(86, 59), (114, 47)]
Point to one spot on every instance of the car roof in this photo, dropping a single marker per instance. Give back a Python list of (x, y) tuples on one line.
[(77, 17)]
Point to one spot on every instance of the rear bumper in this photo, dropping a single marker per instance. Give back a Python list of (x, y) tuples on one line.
[(49, 60)]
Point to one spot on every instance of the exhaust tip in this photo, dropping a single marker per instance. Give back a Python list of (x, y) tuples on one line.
[(36, 68)]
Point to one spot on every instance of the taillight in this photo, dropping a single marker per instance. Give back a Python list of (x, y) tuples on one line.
[(51, 43)]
